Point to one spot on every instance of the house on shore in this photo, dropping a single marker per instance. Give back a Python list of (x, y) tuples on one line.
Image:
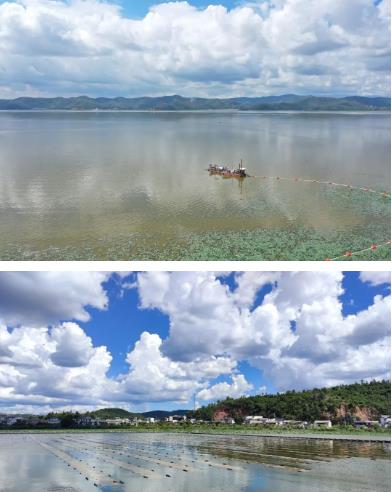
[(87, 421), (365, 423), (117, 421), (257, 419), (322, 423), (174, 419)]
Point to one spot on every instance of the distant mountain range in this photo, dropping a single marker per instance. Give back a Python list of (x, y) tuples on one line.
[(285, 102), (111, 413)]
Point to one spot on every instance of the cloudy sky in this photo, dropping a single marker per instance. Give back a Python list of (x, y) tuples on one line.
[(194, 47), (153, 340)]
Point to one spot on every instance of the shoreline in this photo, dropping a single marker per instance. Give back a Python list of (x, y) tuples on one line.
[(205, 111)]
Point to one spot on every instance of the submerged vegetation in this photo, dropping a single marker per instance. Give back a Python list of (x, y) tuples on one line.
[(295, 241)]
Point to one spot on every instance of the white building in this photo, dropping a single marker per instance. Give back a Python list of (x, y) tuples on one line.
[(255, 419), (322, 423), (86, 420), (117, 421), (385, 421)]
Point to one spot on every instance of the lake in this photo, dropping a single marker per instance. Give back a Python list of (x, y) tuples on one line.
[(134, 186), (126, 462)]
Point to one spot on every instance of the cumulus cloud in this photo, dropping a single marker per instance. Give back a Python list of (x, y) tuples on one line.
[(73, 347), (155, 377), (42, 298), (61, 367), (238, 387), (375, 278), (296, 334), (44, 366), (58, 47)]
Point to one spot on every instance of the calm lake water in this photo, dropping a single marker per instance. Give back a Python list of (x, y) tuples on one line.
[(159, 463), (119, 186)]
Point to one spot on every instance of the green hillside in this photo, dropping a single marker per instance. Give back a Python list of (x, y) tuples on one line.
[(112, 413), (340, 403)]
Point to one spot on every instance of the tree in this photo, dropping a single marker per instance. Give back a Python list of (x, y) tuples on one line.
[(67, 421)]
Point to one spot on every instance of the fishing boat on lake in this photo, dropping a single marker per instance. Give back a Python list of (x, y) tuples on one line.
[(239, 172)]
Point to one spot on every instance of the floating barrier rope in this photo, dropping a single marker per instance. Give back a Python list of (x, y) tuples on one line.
[(331, 183), (347, 254)]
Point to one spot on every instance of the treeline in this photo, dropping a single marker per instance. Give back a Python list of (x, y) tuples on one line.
[(342, 404), (178, 103)]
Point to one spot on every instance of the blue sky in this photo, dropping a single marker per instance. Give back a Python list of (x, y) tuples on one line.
[(120, 327), (209, 48), (154, 340), (138, 9)]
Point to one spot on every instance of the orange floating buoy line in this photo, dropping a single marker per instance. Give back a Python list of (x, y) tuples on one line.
[(347, 254), (241, 173), (372, 247), (296, 179)]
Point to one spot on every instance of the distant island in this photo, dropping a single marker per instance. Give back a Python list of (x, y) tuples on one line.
[(285, 102)]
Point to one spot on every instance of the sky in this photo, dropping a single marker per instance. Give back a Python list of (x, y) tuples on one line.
[(160, 340), (205, 48)]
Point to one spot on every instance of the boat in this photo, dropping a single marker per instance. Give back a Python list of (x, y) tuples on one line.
[(238, 172)]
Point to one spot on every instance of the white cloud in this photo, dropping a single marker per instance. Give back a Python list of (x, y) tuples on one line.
[(220, 391), (42, 298), (371, 325), (375, 278), (44, 366), (298, 336), (62, 368), (154, 377), (85, 46), (249, 283), (73, 347)]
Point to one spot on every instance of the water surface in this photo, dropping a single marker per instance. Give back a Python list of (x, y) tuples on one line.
[(116, 185), (126, 462)]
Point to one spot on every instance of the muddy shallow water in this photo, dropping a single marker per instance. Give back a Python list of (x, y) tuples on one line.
[(123, 186), (127, 462)]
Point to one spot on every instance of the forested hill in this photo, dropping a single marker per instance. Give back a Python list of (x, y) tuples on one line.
[(340, 403), (285, 102), (112, 413)]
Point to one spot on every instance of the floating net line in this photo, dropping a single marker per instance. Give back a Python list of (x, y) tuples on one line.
[(347, 254)]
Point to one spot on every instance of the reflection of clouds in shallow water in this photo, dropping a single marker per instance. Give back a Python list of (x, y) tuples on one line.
[(24, 465), (67, 177)]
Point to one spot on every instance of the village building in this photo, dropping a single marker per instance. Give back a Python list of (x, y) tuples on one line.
[(322, 423), (365, 423), (255, 419), (117, 421)]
